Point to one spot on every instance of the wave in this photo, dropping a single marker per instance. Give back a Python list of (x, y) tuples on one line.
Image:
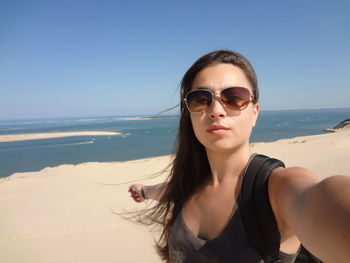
[(47, 146), (123, 135), (89, 142)]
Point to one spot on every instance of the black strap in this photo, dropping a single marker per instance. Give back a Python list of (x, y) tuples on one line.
[(258, 219)]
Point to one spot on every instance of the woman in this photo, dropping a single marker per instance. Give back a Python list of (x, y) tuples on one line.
[(219, 108)]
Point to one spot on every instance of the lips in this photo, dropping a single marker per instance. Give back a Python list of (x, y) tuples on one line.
[(217, 129)]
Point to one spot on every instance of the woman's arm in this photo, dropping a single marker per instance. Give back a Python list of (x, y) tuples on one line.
[(140, 192), (317, 211)]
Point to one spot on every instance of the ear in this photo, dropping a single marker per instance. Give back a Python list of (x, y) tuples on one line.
[(256, 110)]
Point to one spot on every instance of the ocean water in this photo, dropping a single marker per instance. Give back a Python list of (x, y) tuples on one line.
[(138, 139)]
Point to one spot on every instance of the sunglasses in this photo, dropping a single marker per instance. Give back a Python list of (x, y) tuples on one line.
[(234, 98)]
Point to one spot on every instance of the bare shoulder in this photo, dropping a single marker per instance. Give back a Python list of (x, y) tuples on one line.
[(293, 178)]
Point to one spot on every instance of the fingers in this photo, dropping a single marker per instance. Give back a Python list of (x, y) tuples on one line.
[(136, 197), (135, 194)]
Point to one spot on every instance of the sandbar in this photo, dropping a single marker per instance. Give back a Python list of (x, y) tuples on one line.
[(50, 135)]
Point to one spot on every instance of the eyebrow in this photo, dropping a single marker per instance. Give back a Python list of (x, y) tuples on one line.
[(204, 88), (212, 89)]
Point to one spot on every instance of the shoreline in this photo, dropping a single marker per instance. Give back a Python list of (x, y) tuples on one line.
[(255, 147), (51, 135)]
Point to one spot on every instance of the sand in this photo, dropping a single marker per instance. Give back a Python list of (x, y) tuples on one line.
[(68, 213), (37, 136)]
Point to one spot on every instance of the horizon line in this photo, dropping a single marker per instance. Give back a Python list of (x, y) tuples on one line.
[(147, 115)]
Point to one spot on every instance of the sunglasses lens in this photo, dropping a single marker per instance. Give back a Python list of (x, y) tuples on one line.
[(198, 100), (235, 98)]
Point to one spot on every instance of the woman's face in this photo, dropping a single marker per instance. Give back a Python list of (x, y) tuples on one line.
[(220, 128)]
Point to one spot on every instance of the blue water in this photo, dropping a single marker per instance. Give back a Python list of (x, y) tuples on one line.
[(138, 139)]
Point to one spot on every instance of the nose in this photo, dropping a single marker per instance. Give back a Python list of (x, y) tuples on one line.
[(217, 109)]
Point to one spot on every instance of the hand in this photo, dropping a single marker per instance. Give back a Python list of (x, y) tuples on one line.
[(135, 192)]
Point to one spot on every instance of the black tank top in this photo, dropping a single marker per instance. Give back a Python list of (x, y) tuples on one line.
[(231, 245)]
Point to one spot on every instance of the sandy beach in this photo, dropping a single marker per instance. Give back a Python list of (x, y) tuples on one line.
[(37, 136), (69, 213)]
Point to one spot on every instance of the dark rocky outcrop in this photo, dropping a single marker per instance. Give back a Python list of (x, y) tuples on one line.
[(345, 124)]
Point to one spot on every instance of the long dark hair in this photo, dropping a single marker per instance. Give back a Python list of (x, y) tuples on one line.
[(190, 169)]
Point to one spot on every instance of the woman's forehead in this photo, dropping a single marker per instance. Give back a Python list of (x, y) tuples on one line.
[(220, 76)]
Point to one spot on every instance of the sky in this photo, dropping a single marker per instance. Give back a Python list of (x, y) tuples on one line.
[(110, 58)]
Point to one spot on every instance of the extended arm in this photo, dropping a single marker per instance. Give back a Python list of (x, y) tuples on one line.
[(154, 192), (318, 212)]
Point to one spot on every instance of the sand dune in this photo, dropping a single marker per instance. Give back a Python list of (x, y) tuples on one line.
[(68, 213)]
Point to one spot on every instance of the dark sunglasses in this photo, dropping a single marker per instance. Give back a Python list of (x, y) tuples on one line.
[(234, 98)]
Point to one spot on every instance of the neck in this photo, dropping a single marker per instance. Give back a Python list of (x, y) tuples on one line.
[(228, 164)]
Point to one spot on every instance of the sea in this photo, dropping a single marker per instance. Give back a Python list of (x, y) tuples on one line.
[(139, 138)]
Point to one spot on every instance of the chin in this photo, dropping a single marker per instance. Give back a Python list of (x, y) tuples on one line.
[(221, 147), (224, 145)]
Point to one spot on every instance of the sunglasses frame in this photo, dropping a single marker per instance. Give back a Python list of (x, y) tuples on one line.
[(213, 96)]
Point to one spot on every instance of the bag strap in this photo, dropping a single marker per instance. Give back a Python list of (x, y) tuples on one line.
[(258, 219)]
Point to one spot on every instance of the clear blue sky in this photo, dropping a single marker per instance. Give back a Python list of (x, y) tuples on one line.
[(98, 58)]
